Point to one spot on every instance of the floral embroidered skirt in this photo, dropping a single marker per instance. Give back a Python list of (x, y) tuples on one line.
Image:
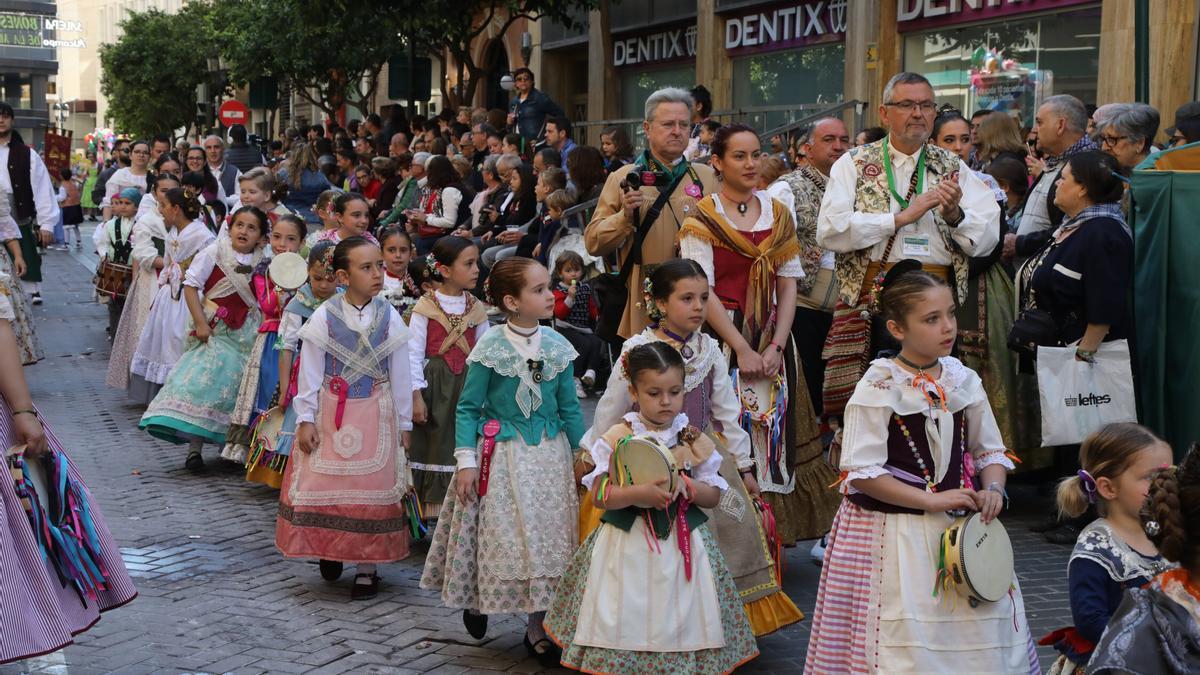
[(343, 500), (619, 594), (259, 382), (129, 329), (198, 397), (504, 553)]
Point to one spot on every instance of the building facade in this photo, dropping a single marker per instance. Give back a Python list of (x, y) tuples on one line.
[(28, 63), (773, 56)]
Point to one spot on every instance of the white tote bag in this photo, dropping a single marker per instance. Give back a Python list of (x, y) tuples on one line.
[(1078, 397)]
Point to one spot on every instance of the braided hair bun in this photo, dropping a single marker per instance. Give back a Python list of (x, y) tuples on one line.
[(1174, 505)]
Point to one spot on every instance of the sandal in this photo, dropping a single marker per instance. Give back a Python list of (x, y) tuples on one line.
[(194, 462), (364, 591), (546, 652)]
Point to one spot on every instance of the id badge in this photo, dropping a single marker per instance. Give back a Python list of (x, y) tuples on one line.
[(916, 245)]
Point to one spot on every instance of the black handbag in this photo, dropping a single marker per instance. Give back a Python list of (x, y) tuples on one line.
[(1033, 328), (612, 290)]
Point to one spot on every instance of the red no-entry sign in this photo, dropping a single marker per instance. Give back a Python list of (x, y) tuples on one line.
[(233, 112)]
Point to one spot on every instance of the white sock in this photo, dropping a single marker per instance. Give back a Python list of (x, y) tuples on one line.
[(364, 568), (590, 374), (195, 445)]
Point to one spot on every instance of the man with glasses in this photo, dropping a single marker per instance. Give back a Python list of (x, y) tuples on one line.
[(528, 111), (896, 198), (652, 209), (1061, 124), (227, 174), (120, 158)]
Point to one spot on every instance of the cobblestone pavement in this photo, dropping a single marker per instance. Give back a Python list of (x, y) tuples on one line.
[(215, 595)]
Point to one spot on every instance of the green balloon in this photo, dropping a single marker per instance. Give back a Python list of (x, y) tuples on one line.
[(977, 56)]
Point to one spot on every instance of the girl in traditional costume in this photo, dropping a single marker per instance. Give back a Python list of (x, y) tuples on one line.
[(60, 574), (1113, 553), (353, 215), (341, 500), (149, 239), (919, 441), (14, 266), (446, 324), (747, 245), (162, 338), (269, 456), (648, 591), (399, 289), (677, 298), (510, 525), (1157, 628), (196, 402), (260, 380)]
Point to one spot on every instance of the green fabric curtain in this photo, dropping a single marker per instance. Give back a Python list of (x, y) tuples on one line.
[(1166, 301)]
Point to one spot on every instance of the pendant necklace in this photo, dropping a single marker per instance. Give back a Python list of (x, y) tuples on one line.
[(923, 382), (684, 349), (741, 206), (528, 336), (359, 309)]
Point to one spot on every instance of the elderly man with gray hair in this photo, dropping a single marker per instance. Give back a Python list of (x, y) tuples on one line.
[(1061, 124), (641, 208)]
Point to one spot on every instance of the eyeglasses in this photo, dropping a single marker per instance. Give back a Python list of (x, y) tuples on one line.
[(1105, 139), (524, 78), (908, 106)]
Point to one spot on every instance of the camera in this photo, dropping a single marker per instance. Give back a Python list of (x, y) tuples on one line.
[(638, 179)]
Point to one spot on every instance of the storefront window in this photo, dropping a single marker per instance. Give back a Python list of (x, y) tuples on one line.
[(1010, 65), (810, 75)]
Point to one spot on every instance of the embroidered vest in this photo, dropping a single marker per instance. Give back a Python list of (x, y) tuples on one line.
[(900, 456), (269, 302), (350, 339), (454, 357), (873, 196), (232, 310), (732, 271)]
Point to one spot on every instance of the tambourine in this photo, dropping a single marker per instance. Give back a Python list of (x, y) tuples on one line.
[(266, 431), (978, 559), (638, 460), (288, 271)]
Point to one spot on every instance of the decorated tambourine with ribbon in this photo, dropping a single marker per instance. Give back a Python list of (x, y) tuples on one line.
[(975, 559), (640, 460)]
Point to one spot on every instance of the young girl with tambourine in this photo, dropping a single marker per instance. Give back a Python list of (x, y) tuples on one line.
[(919, 441), (648, 591), (676, 295)]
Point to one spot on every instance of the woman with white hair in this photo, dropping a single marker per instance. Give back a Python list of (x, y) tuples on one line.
[(1128, 134)]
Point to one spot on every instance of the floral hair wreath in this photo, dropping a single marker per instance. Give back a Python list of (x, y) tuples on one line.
[(652, 311), (431, 263), (327, 261), (625, 366)]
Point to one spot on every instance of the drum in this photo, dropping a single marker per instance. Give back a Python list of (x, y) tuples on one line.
[(288, 271), (638, 460), (113, 279), (978, 559)]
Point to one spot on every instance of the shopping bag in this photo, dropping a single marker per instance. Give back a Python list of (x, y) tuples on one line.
[(1078, 397)]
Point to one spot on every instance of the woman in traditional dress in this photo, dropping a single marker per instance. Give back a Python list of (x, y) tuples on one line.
[(747, 244), (149, 239), (46, 597), (14, 266)]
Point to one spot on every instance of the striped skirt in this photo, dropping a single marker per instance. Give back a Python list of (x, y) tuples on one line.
[(37, 614), (875, 610)]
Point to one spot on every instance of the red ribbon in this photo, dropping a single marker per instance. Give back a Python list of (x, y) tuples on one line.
[(684, 535), (340, 388), (490, 429)]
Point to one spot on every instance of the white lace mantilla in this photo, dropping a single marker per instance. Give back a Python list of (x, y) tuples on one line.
[(887, 384), (1099, 544), (495, 351), (365, 359), (707, 354)]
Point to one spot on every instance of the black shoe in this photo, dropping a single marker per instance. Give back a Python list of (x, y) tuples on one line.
[(546, 652), (194, 462), (1051, 523), (476, 624), (331, 570), (1065, 535), (364, 591)]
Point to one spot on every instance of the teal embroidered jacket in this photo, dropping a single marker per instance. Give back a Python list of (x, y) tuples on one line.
[(500, 385)]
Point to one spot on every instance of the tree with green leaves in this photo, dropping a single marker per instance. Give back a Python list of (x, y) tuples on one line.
[(330, 53), (452, 28), (151, 74)]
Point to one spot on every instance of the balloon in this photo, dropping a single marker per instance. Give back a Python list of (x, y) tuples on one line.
[(1010, 64), (977, 56)]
